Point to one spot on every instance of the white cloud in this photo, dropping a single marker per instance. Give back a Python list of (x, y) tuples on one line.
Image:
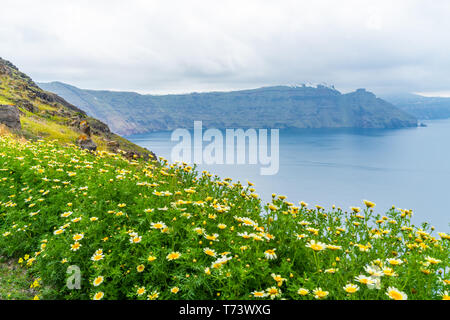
[(181, 46)]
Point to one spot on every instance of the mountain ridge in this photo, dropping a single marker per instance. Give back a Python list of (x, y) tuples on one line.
[(268, 107), (424, 108)]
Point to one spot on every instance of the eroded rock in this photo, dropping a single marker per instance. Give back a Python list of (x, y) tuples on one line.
[(85, 142), (85, 128), (113, 146), (10, 116)]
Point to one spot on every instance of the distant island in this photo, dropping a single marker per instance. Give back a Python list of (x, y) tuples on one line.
[(268, 107)]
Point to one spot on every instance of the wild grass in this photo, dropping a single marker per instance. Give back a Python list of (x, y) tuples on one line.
[(140, 230), (4, 100), (14, 281), (48, 129)]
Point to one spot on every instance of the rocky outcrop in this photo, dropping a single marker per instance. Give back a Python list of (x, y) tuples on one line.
[(113, 146), (58, 100), (99, 127), (27, 105), (6, 67), (10, 116), (85, 141), (85, 128)]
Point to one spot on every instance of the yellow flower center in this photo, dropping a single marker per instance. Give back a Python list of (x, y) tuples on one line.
[(98, 295), (140, 291), (303, 292), (273, 291), (395, 295)]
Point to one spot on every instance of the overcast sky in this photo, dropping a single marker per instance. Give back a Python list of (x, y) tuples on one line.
[(183, 46)]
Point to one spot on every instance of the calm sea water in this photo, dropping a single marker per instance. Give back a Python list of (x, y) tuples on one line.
[(408, 168)]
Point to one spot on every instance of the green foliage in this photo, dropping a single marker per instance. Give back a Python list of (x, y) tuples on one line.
[(14, 282), (4, 100), (142, 230), (48, 129)]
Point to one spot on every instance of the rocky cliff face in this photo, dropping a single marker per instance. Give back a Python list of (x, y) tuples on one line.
[(269, 107), (40, 114)]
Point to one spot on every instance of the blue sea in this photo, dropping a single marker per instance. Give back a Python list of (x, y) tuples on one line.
[(408, 168)]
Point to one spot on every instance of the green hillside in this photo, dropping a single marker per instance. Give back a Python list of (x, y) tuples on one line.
[(44, 115)]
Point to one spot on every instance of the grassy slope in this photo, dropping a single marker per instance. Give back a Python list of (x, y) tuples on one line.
[(46, 122), (50, 119), (14, 281)]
